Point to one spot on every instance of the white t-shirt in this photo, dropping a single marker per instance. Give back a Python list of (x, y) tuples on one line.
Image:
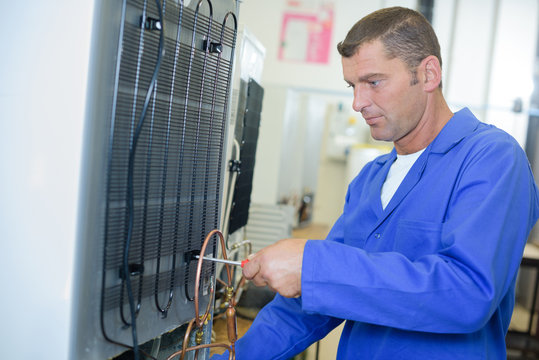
[(396, 174)]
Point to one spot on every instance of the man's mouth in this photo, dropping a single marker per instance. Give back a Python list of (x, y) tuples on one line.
[(371, 120)]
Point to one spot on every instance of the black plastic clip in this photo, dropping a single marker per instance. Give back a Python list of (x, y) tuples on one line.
[(134, 269), (213, 47), (234, 166), (150, 23), (190, 255)]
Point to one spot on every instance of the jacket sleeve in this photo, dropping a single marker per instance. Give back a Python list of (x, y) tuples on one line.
[(280, 331), (454, 290)]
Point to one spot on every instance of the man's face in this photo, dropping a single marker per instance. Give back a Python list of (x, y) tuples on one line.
[(391, 101)]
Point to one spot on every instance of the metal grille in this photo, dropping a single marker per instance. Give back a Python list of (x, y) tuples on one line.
[(176, 160)]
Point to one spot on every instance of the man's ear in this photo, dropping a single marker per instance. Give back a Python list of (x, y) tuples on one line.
[(432, 73)]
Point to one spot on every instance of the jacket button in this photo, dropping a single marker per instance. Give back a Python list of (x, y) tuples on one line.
[(377, 236)]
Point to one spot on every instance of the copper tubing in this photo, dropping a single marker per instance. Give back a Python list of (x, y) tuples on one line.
[(199, 321), (243, 243), (240, 285), (221, 282), (185, 342), (198, 347), (208, 307), (231, 326)]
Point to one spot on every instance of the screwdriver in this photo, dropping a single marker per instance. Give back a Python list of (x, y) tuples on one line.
[(230, 262)]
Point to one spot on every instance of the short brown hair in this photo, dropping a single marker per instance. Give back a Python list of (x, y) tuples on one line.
[(405, 33)]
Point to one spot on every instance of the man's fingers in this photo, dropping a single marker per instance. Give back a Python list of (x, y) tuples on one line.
[(251, 268), (259, 281)]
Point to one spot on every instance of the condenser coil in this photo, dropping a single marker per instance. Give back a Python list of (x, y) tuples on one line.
[(154, 167)]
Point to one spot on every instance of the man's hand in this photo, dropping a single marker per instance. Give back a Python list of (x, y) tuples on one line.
[(278, 266)]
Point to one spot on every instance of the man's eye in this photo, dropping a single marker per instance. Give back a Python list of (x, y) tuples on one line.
[(374, 82), (350, 86)]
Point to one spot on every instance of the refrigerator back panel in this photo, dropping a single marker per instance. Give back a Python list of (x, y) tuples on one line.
[(153, 167)]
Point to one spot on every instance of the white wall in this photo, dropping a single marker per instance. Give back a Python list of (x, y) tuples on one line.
[(45, 51), (331, 189), (267, 165), (486, 59), (489, 58), (513, 66), (467, 73), (263, 19)]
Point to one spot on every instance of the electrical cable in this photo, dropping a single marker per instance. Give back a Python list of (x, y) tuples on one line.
[(189, 68), (133, 117), (164, 310), (127, 269), (179, 177), (218, 45), (107, 208), (231, 188), (221, 38), (207, 49), (130, 173), (109, 162)]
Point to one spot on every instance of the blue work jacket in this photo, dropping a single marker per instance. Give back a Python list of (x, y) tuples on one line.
[(431, 276)]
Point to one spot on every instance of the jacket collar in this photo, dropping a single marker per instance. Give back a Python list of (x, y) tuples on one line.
[(461, 124), (391, 156), (457, 128)]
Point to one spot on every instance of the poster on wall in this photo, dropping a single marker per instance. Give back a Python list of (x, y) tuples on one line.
[(306, 31)]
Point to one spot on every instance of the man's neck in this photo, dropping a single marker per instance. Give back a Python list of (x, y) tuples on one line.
[(436, 115)]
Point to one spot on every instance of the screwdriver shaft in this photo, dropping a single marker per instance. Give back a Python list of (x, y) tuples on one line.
[(230, 262)]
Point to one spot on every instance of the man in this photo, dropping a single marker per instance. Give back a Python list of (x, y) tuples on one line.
[(422, 263)]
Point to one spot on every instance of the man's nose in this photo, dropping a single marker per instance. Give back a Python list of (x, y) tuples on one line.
[(361, 99)]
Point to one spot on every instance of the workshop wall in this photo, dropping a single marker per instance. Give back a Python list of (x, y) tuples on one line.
[(488, 51)]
